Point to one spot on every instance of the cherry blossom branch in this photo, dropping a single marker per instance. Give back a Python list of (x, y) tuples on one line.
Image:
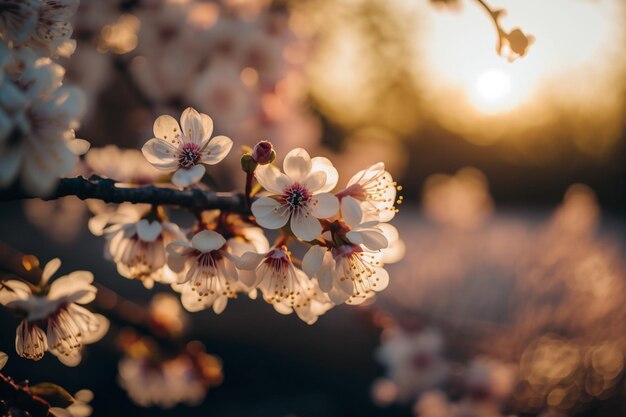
[(515, 42), (107, 191)]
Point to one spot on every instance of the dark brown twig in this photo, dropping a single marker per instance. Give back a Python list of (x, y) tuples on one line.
[(107, 191)]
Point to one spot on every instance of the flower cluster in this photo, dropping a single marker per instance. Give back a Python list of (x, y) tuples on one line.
[(152, 376), (54, 319), (38, 114), (419, 371), (227, 253)]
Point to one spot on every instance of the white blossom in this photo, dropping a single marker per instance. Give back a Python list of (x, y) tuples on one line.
[(123, 165), (414, 360), (309, 303), (275, 275), (36, 135), (54, 319), (300, 194), (136, 242), (350, 270), (206, 268), (375, 190), (18, 19), (184, 151)]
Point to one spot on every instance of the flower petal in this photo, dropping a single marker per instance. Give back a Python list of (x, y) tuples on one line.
[(351, 211), (219, 305), (324, 205), (271, 178), (207, 126), (324, 165), (249, 260), (49, 270), (373, 238), (304, 226), (312, 261), (314, 181), (3, 359), (338, 296), (148, 231), (216, 150), (207, 240), (193, 129), (160, 154), (269, 213), (297, 164), (186, 177), (166, 128), (325, 274)]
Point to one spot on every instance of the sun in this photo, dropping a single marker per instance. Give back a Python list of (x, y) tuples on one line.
[(493, 85), (492, 91)]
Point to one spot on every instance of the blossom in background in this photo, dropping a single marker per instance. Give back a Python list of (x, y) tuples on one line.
[(43, 25), (124, 165), (37, 139), (18, 19), (150, 379), (489, 380), (461, 200), (375, 190), (136, 241), (54, 320), (184, 151), (414, 361), (300, 194), (3, 359), (54, 27)]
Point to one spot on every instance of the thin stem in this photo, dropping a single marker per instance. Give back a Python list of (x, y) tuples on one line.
[(248, 192), (107, 191), (494, 15), (13, 395)]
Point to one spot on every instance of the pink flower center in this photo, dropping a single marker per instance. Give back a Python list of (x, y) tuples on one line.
[(277, 260), (189, 155), (296, 196)]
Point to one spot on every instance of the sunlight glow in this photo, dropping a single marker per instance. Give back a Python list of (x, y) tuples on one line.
[(492, 88)]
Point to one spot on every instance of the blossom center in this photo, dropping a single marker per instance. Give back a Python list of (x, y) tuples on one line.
[(277, 260), (296, 196), (189, 155)]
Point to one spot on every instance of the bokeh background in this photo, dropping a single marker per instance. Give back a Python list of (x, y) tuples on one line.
[(513, 182)]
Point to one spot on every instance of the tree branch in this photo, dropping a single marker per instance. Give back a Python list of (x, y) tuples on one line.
[(14, 396), (107, 191)]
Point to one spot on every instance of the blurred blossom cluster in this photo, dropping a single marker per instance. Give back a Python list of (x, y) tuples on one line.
[(165, 375), (38, 114), (242, 62), (502, 314)]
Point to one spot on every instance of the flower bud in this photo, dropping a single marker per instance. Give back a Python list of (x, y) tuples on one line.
[(264, 153), (519, 42), (248, 164)]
